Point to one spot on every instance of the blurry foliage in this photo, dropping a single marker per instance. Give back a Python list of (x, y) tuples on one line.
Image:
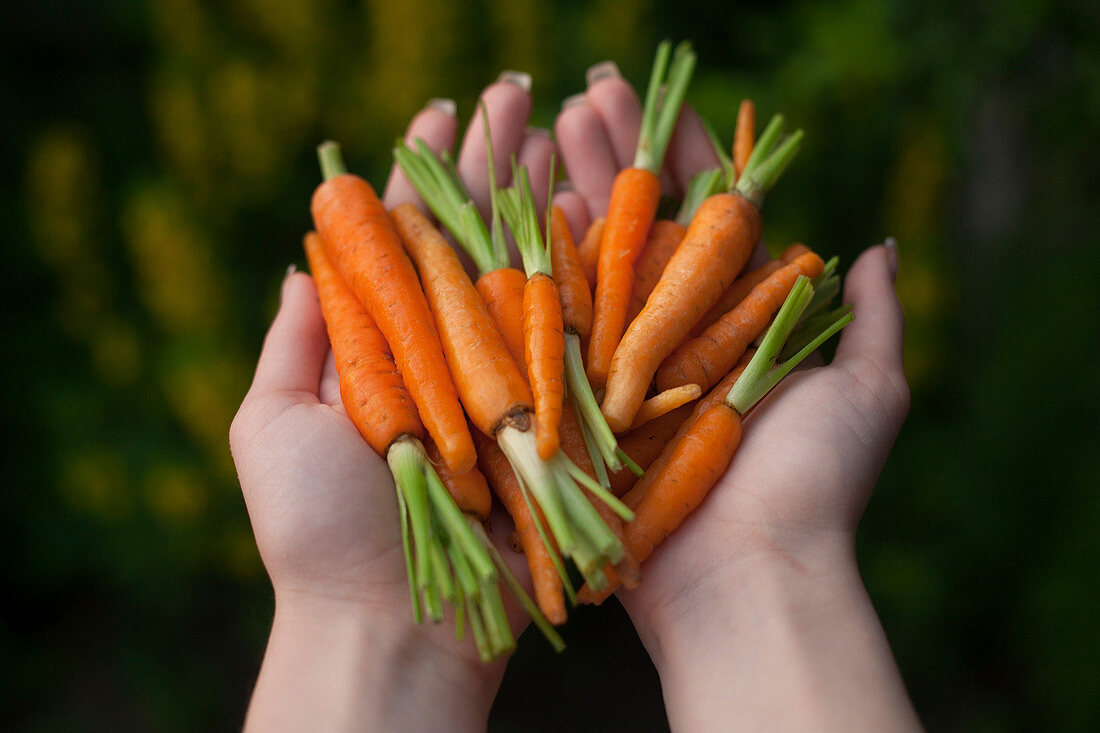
[(159, 161)]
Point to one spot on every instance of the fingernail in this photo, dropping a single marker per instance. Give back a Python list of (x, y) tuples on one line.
[(520, 79), (290, 270), (539, 131), (891, 245), (444, 105), (563, 186), (602, 70), (575, 101)]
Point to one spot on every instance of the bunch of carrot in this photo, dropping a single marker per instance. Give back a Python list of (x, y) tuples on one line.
[(576, 372)]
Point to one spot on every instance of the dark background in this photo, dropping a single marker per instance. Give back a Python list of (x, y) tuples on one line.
[(157, 161)]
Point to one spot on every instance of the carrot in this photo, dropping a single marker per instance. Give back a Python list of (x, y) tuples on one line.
[(452, 560), (568, 272), (371, 388), (664, 403), (744, 135), (552, 487), (664, 238), (589, 249), (633, 206), (742, 286), (360, 239), (701, 456), (544, 566), (469, 490), (714, 397), (543, 326), (643, 445), (716, 246), (501, 291), (702, 360)]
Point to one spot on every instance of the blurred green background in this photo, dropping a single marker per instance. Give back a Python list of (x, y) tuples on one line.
[(157, 165)]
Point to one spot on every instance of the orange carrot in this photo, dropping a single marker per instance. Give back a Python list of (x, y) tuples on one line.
[(704, 359), (589, 250), (371, 388), (742, 286), (664, 403), (635, 194), (744, 135), (714, 397), (692, 465), (359, 238), (717, 244), (469, 489), (544, 348), (644, 445), (544, 573), (664, 238), (488, 381), (573, 288), (502, 293)]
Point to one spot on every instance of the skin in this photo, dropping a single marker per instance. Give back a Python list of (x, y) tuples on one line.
[(753, 611)]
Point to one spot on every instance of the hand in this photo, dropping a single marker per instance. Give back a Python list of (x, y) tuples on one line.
[(754, 606), (343, 649)]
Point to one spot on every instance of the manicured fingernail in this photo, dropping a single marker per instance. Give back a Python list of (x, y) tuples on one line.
[(520, 79), (290, 270), (602, 70), (575, 101), (444, 105), (892, 256), (539, 132)]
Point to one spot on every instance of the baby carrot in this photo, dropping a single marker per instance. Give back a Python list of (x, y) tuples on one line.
[(361, 241), (576, 296), (744, 135), (469, 490), (718, 242), (665, 402), (633, 206), (702, 360), (589, 250), (664, 238)]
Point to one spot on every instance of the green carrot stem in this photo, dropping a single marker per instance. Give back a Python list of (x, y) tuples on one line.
[(481, 640), (405, 463), (588, 410), (518, 592), (442, 572), (703, 185), (520, 449), (460, 610), (599, 491), (762, 372), (457, 528), (406, 546), (809, 328), (590, 525), (765, 143), (593, 450), (629, 463), (332, 162), (501, 640), (662, 105), (756, 182), (521, 215)]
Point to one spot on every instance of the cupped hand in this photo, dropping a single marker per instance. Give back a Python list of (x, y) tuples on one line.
[(322, 503)]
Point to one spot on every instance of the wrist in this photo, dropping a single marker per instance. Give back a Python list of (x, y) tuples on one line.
[(335, 664)]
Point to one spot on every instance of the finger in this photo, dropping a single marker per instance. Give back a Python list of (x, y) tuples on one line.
[(877, 331), (587, 153), (329, 391), (508, 102), (535, 153), (572, 205), (437, 126), (689, 150), (614, 100), (296, 345)]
